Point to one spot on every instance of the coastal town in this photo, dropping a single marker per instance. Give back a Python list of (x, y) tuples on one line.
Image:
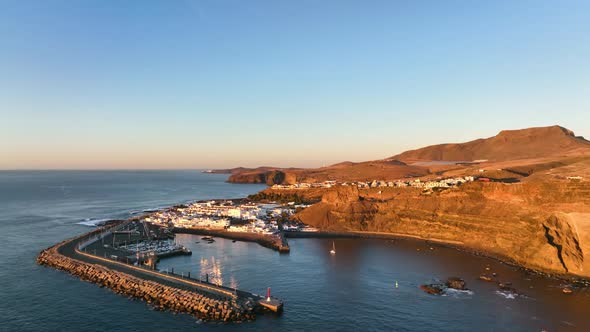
[(230, 216), (407, 183)]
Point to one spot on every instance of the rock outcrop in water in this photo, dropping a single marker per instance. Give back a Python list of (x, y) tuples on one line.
[(440, 288), (456, 283)]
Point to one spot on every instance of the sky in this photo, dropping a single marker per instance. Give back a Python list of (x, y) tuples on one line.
[(211, 84)]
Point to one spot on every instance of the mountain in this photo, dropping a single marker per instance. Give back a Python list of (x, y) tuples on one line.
[(522, 151), (345, 171), (507, 145)]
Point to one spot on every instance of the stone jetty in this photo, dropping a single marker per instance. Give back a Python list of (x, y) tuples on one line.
[(203, 305)]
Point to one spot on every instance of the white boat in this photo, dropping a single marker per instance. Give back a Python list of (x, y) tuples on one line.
[(333, 251)]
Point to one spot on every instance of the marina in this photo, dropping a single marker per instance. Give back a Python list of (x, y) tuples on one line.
[(91, 248)]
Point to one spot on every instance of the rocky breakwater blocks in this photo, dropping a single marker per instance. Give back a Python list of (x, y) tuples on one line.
[(204, 307)]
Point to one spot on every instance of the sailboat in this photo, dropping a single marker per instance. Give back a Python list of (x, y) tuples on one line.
[(333, 251)]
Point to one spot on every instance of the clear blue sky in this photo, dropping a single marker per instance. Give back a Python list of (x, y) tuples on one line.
[(181, 84)]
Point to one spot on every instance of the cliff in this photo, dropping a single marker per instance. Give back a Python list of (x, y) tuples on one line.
[(541, 221), (540, 225), (263, 176)]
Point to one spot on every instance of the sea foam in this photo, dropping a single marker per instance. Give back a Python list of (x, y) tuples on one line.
[(92, 222)]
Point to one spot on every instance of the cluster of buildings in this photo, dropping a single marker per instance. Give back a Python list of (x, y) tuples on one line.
[(224, 215), (256, 226), (439, 183), (305, 185)]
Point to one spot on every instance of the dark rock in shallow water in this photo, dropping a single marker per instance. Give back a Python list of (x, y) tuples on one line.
[(434, 289), (456, 283), (507, 287), (440, 288)]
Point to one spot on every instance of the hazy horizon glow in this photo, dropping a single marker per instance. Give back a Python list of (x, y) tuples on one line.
[(215, 84)]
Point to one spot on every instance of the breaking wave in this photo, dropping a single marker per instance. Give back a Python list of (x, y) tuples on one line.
[(457, 292), (90, 222), (507, 294)]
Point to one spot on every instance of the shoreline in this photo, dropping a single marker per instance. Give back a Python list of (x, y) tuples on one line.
[(268, 241), (459, 246)]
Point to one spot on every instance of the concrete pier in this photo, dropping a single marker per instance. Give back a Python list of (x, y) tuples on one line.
[(271, 304)]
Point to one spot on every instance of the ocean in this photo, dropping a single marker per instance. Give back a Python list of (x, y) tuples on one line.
[(371, 285)]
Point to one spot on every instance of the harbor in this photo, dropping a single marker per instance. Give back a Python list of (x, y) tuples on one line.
[(277, 241), (135, 242), (123, 256), (240, 220)]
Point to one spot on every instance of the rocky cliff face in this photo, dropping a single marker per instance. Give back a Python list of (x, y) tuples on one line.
[(543, 226), (563, 236), (267, 177)]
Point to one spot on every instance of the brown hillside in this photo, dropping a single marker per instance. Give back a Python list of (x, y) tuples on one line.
[(507, 145), (347, 171), (542, 224)]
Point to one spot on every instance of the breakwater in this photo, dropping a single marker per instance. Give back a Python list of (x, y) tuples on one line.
[(276, 242), (203, 303)]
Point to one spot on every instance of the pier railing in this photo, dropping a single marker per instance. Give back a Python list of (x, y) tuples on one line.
[(90, 241), (98, 236)]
